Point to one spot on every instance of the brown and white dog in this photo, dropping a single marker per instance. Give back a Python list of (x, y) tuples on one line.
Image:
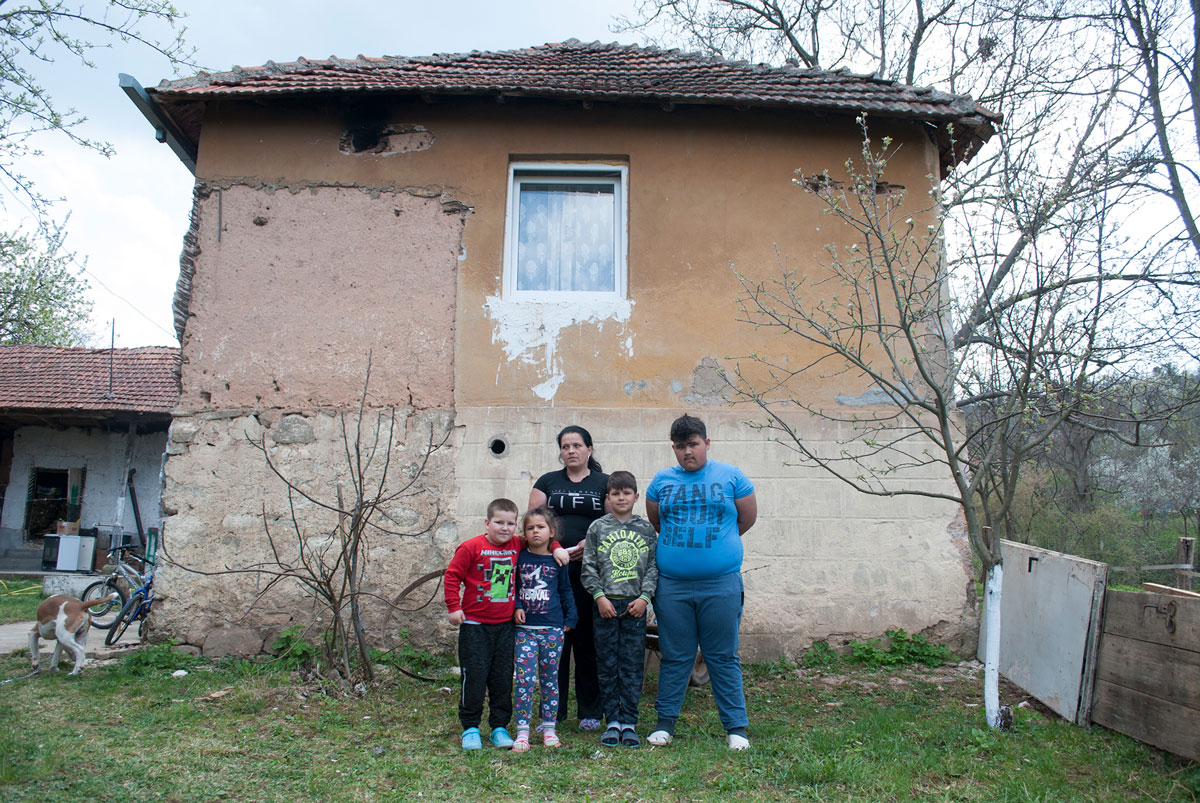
[(67, 621)]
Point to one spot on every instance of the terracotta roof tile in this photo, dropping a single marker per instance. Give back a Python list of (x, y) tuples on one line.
[(595, 71), (144, 380)]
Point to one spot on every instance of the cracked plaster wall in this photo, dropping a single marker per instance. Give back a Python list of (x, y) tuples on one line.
[(710, 190), (293, 287)]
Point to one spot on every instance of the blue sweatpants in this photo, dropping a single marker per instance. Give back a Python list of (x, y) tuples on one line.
[(705, 613)]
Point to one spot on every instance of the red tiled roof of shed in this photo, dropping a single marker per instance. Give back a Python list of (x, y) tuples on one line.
[(574, 70), (144, 380)]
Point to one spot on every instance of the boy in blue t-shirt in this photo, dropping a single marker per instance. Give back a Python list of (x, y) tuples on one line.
[(701, 509)]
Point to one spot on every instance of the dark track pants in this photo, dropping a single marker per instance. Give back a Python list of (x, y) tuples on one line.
[(579, 645), (485, 654)]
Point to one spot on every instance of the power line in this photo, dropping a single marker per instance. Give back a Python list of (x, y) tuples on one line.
[(83, 269), (113, 293)]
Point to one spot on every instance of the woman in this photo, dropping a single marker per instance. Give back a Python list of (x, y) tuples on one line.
[(577, 494)]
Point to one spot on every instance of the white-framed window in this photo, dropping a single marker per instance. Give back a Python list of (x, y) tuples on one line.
[(565, 233)]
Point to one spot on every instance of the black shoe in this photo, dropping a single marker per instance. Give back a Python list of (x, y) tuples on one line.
[(611, 737), (629, 738)]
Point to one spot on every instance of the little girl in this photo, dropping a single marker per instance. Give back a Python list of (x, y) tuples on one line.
[(545, 609)]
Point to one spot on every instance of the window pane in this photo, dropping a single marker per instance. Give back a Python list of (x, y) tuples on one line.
[(566, 237)]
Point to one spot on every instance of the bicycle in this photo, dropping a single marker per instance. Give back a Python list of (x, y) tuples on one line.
[(123, 576), (136, 608)]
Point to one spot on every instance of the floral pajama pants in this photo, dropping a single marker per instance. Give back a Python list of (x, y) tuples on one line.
[(537, 654)]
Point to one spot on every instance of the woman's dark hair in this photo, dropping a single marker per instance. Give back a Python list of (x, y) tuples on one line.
[(593, 464)]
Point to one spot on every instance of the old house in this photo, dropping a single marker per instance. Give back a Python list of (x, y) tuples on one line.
[(73, 423), (520, 240)]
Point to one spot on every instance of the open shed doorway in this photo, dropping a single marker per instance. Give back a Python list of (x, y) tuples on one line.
[(55, 494)]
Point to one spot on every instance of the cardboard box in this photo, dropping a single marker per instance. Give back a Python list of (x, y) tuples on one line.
[(68, 528)]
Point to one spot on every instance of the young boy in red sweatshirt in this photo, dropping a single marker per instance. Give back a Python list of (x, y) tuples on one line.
[(480, 597)]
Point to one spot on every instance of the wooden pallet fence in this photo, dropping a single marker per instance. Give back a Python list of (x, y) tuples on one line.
[(1148, 669)]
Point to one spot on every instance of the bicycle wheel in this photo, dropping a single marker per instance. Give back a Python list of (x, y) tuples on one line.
[(125, 618), (105, 616)]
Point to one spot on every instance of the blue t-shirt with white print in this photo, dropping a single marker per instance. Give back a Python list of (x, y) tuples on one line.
[(698, 533)]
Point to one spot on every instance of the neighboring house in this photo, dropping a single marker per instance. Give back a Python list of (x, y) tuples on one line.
[(73, 422), (521, 241)]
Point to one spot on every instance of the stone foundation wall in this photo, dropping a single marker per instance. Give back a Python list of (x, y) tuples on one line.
[(823, 561), (222, 496)]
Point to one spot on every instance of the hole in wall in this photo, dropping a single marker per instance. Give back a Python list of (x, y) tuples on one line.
[(364, 140), (498, 446), (376, 137)]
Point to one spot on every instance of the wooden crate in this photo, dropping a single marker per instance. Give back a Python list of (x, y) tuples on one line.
[(1148, 670)]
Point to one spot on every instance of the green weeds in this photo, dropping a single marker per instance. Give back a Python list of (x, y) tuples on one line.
[(897, 648), (294, 650), (159, 658), (901, 650), (820, 656)]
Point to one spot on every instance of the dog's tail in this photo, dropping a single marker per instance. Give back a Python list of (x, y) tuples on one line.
[(101, 601)]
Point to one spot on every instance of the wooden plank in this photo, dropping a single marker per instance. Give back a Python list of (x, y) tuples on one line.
[(1156, 669), (1087, 684), (1144, 616), (1148, 719), (1169, 591), (1185, 553)]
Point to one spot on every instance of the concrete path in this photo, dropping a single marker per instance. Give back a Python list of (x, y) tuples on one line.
[(16, 637)]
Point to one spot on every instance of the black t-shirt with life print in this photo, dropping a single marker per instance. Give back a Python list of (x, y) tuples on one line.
[(577, 504)]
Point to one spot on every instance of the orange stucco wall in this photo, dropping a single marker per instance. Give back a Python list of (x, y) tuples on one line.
[(310, 257), (708, 188)]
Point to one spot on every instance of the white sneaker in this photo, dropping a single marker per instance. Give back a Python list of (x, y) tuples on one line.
[(737, 742), (659, 738)]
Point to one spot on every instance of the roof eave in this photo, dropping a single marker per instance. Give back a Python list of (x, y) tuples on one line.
[(165, 129), (959, 136)]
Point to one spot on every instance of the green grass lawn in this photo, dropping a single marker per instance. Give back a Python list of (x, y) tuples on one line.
[(130, 731), (19, 598)]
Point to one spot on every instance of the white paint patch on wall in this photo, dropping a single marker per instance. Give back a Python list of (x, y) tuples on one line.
[(529, 331), (103, 455)]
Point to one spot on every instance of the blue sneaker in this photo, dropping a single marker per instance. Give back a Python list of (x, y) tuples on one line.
[(500, 738), (471, 739)]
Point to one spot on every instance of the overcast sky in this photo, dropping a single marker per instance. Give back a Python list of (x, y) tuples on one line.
[(128, 213)]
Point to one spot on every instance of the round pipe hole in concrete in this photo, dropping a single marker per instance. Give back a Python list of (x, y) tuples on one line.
[(498, 446)]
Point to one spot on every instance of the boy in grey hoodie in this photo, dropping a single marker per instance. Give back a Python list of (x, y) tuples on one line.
[(620, 574)]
